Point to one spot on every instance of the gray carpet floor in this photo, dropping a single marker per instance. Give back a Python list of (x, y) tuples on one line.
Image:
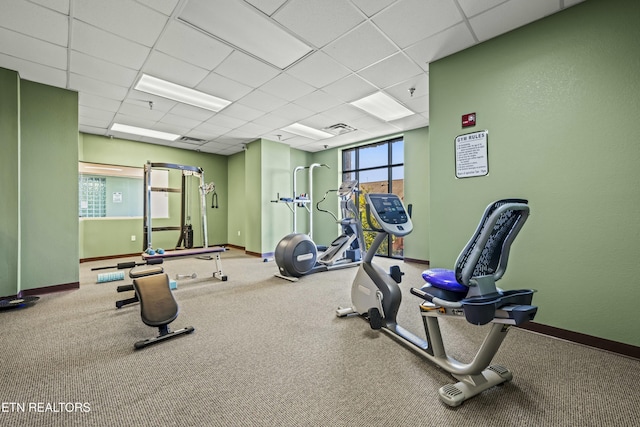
[(268, 352)]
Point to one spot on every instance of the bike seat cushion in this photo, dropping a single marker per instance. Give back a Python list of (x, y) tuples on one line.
[(442, 278)]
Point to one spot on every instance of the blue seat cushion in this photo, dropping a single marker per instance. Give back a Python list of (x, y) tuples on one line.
[(442, 278)]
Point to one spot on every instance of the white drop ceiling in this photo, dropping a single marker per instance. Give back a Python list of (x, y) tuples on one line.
[(278, 61)]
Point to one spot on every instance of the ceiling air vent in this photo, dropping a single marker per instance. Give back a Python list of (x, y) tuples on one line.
[(339, 129), (189, 140)]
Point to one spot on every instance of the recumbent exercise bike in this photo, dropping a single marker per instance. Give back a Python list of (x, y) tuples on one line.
[(468, 292)]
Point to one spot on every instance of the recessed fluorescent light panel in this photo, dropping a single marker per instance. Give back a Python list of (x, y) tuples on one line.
[(243, 27), (133, 130), (165, 89), (306, 131), (383, 106)]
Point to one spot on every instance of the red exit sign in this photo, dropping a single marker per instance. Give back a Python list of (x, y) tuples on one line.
[(468, 120)]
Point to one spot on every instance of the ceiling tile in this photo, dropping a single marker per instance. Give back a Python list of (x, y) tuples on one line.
[(95, 113), (371, 7), (262, 101), (185, 123), (92, 130), (31, 49), (34, 72), (401, 91), (249, 130), (318, 101), (98, 102), (223, 87), (272, 121), (245, 69), (350, 88), (319, 22), (318, 121), (185, 110), (511, 15), (100, 123), (408, 21), (174, 70), (99, 69), (107, 46), (287, 87), (141, 110), (360, 47), (174, 124), (133, 121), (209, 129), (224, 121), (344, 113), (143, 98), (61, 6), (237, 23), (28, 18), (292, 112), (267, 6), (241, 112), (96, 87), (391, 71), (126, 18), (164, 6), (474, 7), (188, 44), (438, 46), (318, 70), (99, 118)]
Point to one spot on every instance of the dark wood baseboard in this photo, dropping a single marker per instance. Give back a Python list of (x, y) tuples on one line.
[(266, 255), (416, 261), (47, 290), (584, 339), (105, 258), (229, 245)]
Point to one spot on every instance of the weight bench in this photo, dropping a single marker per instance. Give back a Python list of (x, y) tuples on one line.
[(158, 307), (149, 268)]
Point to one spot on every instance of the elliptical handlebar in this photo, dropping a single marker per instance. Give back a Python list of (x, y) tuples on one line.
[(325, 210), (368, 216)]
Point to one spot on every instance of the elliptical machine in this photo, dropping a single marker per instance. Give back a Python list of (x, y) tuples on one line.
[(297, 255), (468, 292)]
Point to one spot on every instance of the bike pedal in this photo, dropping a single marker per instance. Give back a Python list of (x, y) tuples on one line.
[(375, 319)]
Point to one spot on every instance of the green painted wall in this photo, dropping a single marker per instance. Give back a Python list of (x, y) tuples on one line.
[(48, 185), (276, 173), (560, 100), (253, 197), (10, 137), (266, 168), (236, 230), (107, 237), (416, 193)]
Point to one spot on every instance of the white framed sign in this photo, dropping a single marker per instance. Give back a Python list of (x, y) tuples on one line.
[(471, 151)]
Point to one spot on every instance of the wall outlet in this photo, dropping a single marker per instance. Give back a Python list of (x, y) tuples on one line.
[(238, 233), (133, 237)]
